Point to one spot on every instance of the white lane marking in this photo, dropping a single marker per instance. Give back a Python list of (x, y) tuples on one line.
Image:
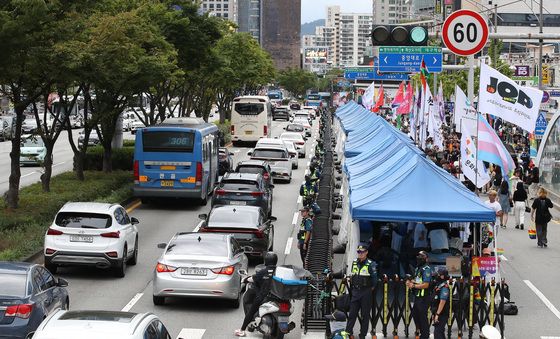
[(191, 333), (28, 174), (132, 301), (294, 219), (299, 199), (288, 246), (60, 163), (544, 299)]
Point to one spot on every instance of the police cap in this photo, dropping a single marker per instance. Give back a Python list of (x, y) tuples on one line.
[(362, 247)]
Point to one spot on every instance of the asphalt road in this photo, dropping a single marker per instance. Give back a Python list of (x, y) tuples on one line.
[(193, 318)]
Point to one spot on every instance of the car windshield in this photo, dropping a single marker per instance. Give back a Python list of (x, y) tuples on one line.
[(294, 128), (113, 316), (250, 169), (83, 220), (32, 142), (233, 218), (239, 185), (13, 285), (270, 154), (204, 247)]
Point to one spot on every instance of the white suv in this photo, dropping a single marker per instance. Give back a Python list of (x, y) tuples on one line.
[(101, 324), (92, 234)]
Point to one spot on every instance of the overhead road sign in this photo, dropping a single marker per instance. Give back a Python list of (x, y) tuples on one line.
[(409, 59), (465, 32), (372, 73)]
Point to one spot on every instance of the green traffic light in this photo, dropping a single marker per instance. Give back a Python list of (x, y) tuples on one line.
[(418, 35)]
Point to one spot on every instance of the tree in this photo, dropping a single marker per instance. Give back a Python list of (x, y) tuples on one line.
[(296, 81)]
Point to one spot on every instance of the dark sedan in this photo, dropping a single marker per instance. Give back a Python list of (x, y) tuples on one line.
[(281, 113), (257, 167), (249, 225), (28, 294), (243, 189)]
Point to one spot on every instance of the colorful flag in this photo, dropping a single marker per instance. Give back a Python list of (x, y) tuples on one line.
[(464, 114), (423, 74), (491, 148), (380, 100), (472, 168), (399, 96), (368, 97), (406, 106)]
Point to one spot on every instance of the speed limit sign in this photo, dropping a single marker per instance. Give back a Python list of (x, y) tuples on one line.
[(465, 32)]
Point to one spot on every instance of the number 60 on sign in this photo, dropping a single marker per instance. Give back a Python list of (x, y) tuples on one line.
[(465, 32)]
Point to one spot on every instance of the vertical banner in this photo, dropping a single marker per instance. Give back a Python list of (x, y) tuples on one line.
[(465, 114)]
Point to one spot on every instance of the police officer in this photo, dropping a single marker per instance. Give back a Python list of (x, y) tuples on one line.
[(262, 280), (308, 188), (304, 234), (440, 304), (362, 283), (420, 286)]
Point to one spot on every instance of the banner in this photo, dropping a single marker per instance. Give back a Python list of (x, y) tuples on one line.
[(472, 169), (464, 114), (368, 97), (485, 267), (316, 55), (502, 97)]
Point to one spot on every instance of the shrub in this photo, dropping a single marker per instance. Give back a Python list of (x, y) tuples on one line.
[(22, 230), (122, 158), (225, 131), (128, 143)]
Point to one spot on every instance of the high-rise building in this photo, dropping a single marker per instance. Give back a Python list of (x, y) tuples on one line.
[(318, 50), (221, 8), (354, 35), (249, 17), (390, 12), (280, 31)]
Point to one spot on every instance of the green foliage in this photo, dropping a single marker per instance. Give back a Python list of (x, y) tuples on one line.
[(22, 230), (121, 158), (225, 130), (296, 81)]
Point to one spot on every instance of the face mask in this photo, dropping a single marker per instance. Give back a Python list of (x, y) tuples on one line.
[(420, 261)]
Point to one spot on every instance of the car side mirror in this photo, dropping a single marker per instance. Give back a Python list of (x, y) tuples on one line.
[(284, 128), (62, 282), (161, 245), (271, 218), (250, 152), (203, 216), (305, 138), (134, 221)]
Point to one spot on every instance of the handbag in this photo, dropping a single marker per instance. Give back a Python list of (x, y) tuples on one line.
[(532, 231)]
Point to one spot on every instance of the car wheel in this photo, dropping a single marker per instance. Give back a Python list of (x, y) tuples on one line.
[(51, 267), (158, 300), (235, 303), (134, 259), (120, 269)]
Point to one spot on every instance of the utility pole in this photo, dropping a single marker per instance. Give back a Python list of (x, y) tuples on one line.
[(540, 44)]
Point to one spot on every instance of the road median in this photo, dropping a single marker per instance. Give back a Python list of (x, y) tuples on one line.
[(22, 230)]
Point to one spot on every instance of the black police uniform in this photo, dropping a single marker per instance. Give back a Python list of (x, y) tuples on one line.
[(364, 278), (441, 292), (422, 275)]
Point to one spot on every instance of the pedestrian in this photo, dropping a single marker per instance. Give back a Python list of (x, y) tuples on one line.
[(497, 177), (493, 204), (534, 186), (440, 304), (540, 214), (362, 283), (504, 199), (304, 234), (421, 285), (519, 198)]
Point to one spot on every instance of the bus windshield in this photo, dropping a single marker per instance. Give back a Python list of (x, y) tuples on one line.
[(274, 96), (248, 108), (313, 97), (168, 141)]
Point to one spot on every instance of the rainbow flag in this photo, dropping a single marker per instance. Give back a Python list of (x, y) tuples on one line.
[(491, 148)]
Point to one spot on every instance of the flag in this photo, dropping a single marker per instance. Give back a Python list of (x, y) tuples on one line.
[(464, 114), (472, 168), (426, 124), (406, 106), (380, 100), (423, 74), (399, 96), (441, 103), (502, 97), (368, 97), (491, 148)]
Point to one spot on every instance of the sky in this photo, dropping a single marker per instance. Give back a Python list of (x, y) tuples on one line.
[(312, 10)]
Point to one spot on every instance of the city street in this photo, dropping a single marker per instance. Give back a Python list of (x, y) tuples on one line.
[(193, 318)]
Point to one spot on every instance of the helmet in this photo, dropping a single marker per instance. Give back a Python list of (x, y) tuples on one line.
[(270, 259)]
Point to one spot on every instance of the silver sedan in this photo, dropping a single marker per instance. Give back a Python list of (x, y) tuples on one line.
[(200, 265)]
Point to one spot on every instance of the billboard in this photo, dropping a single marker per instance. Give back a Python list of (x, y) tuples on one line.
[(316, 55)]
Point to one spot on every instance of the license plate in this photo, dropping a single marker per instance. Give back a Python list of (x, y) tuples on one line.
[(166, 183), (81, 238), (238, 203), (283, 318), (248, 132), (193, 271)]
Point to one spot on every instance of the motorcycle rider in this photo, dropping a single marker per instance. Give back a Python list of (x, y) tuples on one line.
[(262, 280)]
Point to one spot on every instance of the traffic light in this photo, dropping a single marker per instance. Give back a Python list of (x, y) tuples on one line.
[(399, 35)]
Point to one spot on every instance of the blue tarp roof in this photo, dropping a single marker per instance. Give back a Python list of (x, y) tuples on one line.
[(391, 180)]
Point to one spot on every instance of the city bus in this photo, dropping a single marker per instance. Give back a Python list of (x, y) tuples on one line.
[(275, 97), (251, 119), (176, 159), (313, 99)]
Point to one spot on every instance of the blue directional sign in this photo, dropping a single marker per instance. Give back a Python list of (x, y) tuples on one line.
[(540, 126), (372, 73), (409, 59)]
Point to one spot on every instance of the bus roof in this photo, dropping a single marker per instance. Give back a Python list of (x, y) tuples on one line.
[(188, 122), (252, 97)]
